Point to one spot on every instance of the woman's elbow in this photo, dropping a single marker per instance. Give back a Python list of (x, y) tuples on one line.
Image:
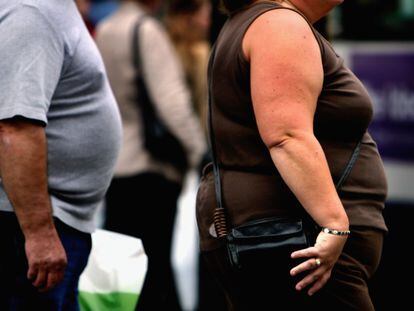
[(282, 139)]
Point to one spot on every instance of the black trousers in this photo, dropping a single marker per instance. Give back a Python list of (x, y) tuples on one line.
[(266, 284), (144, 206)]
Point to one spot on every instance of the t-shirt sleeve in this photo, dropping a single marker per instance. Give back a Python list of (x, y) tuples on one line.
[(31, 60)]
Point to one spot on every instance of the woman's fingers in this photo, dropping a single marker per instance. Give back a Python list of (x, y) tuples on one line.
[(319, 283), (320, 260), (310, 264), (307, 252), (310, 278), (318, 278)]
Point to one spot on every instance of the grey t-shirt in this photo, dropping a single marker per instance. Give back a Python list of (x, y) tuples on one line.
[(51, 71)]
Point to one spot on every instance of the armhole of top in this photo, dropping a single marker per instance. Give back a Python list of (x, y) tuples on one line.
[(241, 55)]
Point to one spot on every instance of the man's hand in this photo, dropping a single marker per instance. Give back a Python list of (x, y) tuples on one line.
[(23, 170), (47, 260)]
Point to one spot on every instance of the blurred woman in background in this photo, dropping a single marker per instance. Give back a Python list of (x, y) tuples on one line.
[(188, 23), (142, 198)]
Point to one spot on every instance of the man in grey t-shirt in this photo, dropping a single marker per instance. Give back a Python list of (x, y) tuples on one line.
[(60, 135)]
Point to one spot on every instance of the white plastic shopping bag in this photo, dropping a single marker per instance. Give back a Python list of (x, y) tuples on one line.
[(185, 245), (115, 274)]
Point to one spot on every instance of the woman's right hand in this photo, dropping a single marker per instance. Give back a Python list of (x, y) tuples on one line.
[(322, 258)]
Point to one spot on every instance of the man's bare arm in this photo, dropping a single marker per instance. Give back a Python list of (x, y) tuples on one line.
[(23, 170)]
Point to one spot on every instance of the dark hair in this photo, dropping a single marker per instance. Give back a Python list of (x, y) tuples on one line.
[(231, 6), (185, 6)]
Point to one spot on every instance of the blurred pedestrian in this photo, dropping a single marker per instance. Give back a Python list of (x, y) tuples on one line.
[(142, 198), (188, 23), (288, 120), (60, 134)]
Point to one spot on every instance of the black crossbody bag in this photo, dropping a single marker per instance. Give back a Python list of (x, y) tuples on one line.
[(268, 236), (158, 139)]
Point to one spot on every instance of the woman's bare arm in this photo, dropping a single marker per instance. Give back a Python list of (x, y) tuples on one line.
[(286, 80)]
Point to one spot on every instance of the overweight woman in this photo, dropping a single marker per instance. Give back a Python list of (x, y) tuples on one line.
[(287, 115)]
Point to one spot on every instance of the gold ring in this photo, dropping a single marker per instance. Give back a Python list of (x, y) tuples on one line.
[(318, 262)]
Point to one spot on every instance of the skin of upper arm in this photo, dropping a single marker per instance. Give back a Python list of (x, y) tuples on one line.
[(17, 128), (286, 75), (16, 135), (19, 124)]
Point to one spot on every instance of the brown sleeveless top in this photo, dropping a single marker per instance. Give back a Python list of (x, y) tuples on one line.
[(252, 186)]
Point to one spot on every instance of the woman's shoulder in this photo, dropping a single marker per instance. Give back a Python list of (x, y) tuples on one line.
[(280, 28), (283, 21)]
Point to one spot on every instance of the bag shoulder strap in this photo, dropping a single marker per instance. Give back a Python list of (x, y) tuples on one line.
[(220, 222), (136, 58), (349, 166), (144, 99), (216, 168)]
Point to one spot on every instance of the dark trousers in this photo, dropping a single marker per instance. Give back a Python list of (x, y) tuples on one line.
[(144, 206), (266, 284), (16, 291)]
